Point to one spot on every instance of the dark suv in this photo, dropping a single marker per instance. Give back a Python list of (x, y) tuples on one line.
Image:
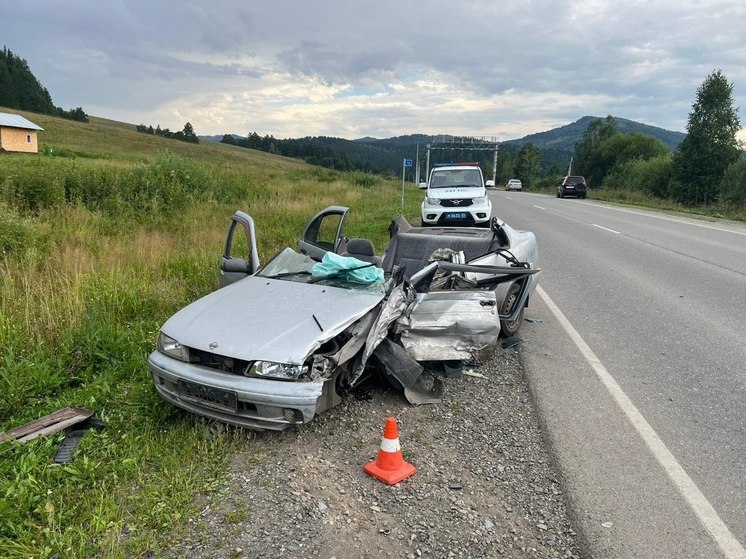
[(572, 186)]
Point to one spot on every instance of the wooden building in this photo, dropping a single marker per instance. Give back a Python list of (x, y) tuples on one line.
[(18, 134)]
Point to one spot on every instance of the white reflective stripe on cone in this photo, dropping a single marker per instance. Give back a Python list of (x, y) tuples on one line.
[(390, 445)]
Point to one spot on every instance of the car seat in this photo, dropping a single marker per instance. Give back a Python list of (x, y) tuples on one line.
[(362, 249)]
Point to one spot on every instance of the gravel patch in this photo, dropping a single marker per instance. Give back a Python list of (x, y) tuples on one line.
[(485, 486)]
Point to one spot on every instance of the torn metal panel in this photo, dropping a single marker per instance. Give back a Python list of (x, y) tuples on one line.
[(52, 423), (358, 334), (398, 364), (446, 325), (392, 308)]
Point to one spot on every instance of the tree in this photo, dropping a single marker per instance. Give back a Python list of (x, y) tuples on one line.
[(597, 133), (228, 139), (188, 134), (528, 167), (505, 165), (618, 150), (733, 185), (710, 145)]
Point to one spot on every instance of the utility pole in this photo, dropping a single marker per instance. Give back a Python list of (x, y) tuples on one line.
[(417, 169)]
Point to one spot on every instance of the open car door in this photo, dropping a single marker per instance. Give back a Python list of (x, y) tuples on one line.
[(241, 257), (324, 233)]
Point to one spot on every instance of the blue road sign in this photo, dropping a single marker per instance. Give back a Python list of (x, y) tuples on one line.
[(407, 162)]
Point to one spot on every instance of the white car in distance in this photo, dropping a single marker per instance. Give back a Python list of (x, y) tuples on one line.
[(513, 184)]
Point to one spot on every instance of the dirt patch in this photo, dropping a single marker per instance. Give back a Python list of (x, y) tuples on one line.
[(484, 486)]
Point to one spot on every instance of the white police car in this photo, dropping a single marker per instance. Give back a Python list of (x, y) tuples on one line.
[(456, 195)]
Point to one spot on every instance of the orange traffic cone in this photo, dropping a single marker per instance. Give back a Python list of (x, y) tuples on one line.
[(390, 466)]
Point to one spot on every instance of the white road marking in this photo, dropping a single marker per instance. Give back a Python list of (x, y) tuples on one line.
[(606, 229), (674, 220), (509, 197), (540, 207), (717, 529)]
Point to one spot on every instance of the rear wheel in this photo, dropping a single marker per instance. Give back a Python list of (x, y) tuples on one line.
[(510, 327)]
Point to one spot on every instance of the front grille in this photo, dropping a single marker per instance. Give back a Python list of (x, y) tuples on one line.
[(218, 362), (456, 203)]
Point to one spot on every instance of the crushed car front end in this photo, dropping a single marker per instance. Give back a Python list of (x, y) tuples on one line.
[(259, 353)]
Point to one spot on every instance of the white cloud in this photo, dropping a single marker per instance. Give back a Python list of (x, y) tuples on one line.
[(379, 68)]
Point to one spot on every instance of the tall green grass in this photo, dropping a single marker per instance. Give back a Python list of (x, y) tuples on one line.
[(96, 254)]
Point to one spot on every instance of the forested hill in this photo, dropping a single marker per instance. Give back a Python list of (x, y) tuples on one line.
[(386, 155), (19, 89), (565, 137)]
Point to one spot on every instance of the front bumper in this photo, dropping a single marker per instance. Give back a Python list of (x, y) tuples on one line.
[(261, 404), (468, 216)]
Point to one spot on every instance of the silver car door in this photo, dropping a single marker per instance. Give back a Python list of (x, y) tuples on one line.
[(241, 256), (446, 325), (323, 233)]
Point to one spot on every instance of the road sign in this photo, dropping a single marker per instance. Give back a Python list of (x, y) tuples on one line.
[(407, 162)]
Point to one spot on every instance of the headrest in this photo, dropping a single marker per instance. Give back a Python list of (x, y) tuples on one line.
[(363, 247)]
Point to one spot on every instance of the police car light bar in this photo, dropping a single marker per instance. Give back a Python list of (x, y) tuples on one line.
[(462, 164)]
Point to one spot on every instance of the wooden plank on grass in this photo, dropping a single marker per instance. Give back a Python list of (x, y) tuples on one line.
[(52, 423)]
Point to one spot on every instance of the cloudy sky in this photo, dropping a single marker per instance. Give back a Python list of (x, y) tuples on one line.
[(353, 68)]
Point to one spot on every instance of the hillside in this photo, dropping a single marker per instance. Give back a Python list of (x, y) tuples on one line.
[(20, 89), (565, 137), (119, 141), (385, 155)]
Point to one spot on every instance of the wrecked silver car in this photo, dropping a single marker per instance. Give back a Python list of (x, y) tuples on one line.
[(278, 343)]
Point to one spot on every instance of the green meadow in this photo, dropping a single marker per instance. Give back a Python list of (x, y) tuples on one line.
[(103, 236)]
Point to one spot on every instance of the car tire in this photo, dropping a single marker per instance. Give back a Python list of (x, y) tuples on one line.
[(558, 194), (510, 328)]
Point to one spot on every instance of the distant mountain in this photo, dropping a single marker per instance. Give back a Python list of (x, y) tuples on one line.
[(386, 155), (565, 137)]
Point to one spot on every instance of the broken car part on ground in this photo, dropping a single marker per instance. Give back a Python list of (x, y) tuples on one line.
[(277, 344)]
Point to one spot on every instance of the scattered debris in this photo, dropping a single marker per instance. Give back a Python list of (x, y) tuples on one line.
[(471, 373), (72, 439), (47, 425), (511, 342), (607, 524), (455, 485), (534, 320)]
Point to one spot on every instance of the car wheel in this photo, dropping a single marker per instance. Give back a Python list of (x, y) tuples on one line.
[(510, 328), (558, 194)]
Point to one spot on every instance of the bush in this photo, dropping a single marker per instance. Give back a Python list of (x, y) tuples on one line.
[(16, 232), (167, 183), (32, 188), (366, 180), (650, 176), (733, 184)]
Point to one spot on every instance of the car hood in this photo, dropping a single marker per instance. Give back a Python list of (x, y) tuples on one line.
[(456, 192), (267, 319)]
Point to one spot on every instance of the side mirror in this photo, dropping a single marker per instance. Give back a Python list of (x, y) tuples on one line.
[(423, 185)]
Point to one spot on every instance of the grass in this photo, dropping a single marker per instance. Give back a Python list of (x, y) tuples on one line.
[(642, 200), (100, 244)]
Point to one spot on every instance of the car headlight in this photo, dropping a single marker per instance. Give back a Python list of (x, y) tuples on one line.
[(172, 348), (480, 200), (280, 371), (432, 201)]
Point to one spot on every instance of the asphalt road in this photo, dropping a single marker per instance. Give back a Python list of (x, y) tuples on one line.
[(638, 368)]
